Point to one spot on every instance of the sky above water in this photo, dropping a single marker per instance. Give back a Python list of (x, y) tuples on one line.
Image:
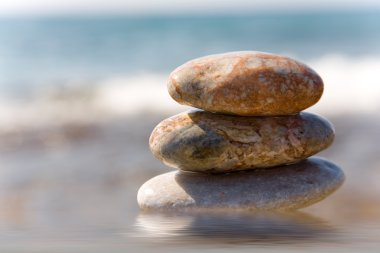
[(20, 7)]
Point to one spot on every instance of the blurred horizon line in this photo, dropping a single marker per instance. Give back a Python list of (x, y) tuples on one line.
[(191, 12)]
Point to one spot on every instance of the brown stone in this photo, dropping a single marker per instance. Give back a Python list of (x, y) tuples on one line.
[(214, 143), (246, 84), (279, 188)]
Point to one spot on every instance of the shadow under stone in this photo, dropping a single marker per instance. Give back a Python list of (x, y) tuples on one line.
[(233, 227)]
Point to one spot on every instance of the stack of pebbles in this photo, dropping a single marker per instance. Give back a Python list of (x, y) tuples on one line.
[(248, 147)]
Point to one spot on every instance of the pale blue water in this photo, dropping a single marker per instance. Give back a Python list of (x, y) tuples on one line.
[(40, 52)]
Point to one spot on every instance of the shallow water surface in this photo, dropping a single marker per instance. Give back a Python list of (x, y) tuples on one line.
[(191, 232), (247, 231)]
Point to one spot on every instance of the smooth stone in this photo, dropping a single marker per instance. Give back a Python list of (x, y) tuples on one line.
[(246, 83), (281, 188), (201, 141)]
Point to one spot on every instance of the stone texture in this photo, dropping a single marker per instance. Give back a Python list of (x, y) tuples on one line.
[(200, 141), (280, 188), (246, 83)]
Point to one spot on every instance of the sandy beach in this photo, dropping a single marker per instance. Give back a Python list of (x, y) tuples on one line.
[(83, 177)]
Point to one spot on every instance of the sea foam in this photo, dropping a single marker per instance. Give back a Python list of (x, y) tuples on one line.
[(352, 85)]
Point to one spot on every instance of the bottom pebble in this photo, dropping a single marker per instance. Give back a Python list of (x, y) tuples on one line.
[(280, 188)]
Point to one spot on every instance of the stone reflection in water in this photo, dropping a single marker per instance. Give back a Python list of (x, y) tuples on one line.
[(233, 227)]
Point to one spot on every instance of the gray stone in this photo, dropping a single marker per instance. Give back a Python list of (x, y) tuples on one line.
[(201, 141), (279, 188), (246, 83)]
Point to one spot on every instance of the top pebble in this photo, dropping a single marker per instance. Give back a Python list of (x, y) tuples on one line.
[(247, 84)]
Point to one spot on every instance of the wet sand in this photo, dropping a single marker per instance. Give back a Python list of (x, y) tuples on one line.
[(71, 187)]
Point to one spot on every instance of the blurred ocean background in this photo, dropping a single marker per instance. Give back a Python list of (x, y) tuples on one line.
[(80, 94), (52, 51), (131, 56)]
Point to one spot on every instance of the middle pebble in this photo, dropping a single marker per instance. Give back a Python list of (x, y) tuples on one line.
[(201, 141)]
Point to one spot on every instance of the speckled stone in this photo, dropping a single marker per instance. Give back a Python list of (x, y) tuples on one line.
[(246, 84), (280, 188), (201, 141)]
